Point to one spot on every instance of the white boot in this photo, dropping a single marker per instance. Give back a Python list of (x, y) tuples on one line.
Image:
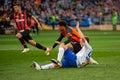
[(25, 50), (36, 65), (92, 61)]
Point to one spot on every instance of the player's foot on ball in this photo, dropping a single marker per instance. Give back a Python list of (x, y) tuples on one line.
[(36, 66), (25, 50), (56, 62), (47, 53)]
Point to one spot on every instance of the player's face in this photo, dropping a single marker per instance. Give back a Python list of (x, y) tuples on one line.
[(16, 8), (61, 28)]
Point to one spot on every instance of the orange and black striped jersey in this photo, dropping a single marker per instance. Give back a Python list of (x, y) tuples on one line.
[(71, 34), (21, 20)]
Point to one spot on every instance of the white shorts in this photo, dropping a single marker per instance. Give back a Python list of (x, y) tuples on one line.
[(84, 54)]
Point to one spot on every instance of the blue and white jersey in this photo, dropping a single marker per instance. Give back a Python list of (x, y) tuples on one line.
[(84, 54), (76, 60)]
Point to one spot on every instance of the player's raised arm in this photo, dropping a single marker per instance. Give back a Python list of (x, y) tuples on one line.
[(80, 32), (78, 29), (39, 26)]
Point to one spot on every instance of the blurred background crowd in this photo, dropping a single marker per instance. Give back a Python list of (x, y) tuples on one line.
[(50, 11)]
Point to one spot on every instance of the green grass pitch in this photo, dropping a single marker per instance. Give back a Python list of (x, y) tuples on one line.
[(16, 66)]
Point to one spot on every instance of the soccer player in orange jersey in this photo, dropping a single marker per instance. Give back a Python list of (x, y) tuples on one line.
[(73, 39)]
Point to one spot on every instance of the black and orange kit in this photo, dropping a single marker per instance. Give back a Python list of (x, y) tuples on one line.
[(73, 38), (21, 23)]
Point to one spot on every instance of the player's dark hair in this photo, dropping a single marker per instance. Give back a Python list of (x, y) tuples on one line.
[(62, 23), (17, 4), (87, 38)]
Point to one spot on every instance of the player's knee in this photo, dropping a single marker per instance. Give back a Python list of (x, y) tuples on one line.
[(69, 46), (61, 45), (18, 35)]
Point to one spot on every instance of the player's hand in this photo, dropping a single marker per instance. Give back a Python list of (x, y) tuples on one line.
[(39, 26), (48, 51), (77, 25), (57, 42)]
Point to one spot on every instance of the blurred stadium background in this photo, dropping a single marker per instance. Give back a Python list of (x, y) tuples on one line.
[(95, 17), (92, 14)]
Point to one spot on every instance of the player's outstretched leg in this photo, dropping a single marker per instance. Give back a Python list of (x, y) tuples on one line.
[(19, 36), (47, 66), (37, 45)]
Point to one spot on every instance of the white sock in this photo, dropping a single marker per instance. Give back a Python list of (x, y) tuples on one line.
[(60, 54), (48, 66)]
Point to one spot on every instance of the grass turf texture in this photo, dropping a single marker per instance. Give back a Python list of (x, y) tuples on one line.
[(16, 66)]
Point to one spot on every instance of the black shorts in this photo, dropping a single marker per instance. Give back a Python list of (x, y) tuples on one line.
[(76, 47), (26, 35)]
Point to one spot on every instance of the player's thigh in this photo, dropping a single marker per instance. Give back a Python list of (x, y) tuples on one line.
[(18, 35), (64, 64), (25, 33), (69, 59), (69, 54), (69, 45), (28, 38)]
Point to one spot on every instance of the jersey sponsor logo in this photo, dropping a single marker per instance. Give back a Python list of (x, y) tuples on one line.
[(20, 20)]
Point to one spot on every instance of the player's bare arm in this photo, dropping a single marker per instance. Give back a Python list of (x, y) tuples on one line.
[(57, 42), (79, 31), (39, 26)]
